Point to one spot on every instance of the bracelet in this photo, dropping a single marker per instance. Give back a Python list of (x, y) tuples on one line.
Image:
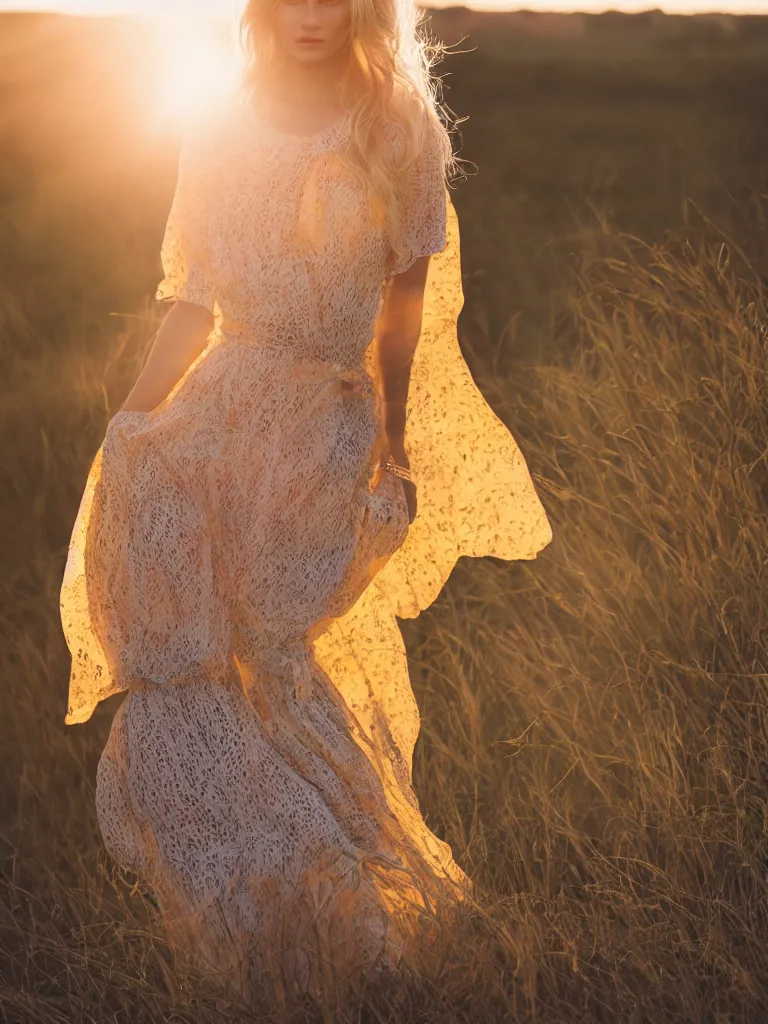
[(391, 467)]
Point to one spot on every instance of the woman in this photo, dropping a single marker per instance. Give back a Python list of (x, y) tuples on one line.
[(249, 528)]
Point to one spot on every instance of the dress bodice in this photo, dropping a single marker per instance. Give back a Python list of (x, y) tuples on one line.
[(276, 236)]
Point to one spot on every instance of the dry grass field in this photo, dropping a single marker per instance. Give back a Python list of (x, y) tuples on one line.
[(595, 723)]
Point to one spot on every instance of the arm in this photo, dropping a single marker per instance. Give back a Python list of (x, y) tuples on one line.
[(397, 331), (188, 256), (179, 341)]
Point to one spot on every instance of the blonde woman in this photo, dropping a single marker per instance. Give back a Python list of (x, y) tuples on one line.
[(303, 458)]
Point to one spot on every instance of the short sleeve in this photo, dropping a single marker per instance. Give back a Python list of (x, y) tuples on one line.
[(424, 223), (187, 249)]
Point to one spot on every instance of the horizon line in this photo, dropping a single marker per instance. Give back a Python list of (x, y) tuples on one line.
[(172, 8)]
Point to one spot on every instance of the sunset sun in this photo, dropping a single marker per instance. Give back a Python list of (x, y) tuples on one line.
[(194, 69)]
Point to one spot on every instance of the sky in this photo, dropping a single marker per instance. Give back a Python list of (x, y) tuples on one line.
[(225, 7)]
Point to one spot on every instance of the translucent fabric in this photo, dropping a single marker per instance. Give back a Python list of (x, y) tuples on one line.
[(239, 559)]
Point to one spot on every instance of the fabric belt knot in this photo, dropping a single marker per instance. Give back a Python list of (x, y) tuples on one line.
[(308, 371)]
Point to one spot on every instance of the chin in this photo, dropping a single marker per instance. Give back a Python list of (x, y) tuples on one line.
[(313, 57)]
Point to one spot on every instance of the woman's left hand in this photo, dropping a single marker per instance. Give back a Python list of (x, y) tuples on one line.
[(400, 456)]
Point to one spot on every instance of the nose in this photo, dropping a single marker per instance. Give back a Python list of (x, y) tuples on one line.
[(310, 14)]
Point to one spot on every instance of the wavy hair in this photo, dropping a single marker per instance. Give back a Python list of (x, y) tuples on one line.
[(387, 77)]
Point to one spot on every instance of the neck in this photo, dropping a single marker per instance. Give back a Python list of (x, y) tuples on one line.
[(310, 85)]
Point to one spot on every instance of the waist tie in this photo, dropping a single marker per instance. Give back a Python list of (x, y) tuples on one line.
[(312, 371), (300, 369), (304, 369)]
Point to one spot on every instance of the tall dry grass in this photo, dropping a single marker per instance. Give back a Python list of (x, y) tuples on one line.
[(594, 741)]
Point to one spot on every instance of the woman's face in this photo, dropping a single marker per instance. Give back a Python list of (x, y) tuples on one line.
[(312, 31)]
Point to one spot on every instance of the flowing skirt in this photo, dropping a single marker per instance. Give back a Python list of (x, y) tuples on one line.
[(219, 537)]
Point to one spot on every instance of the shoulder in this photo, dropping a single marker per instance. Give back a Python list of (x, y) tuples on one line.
[(414, 121)]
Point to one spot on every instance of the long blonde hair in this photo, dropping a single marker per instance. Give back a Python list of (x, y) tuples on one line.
[(388, 77)]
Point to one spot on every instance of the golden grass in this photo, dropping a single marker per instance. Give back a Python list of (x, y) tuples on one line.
[(594, 723), (594, 741)]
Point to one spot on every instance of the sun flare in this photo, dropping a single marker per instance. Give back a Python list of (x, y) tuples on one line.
[(196, 69)]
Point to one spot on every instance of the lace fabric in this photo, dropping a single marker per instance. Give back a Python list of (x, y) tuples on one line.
[(238, 561)]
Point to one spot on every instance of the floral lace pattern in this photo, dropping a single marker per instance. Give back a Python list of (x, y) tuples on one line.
[(238, 560)]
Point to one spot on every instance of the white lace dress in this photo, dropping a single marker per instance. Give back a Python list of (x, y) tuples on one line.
[(238, 560)]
